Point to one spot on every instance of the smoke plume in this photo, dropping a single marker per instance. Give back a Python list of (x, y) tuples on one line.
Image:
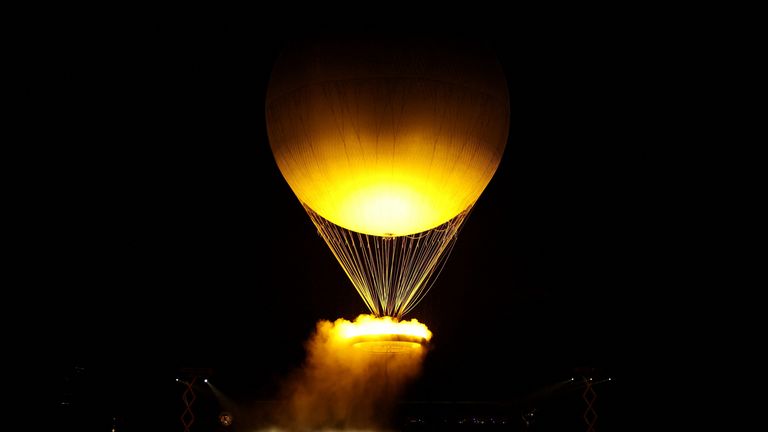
[(344, 387)]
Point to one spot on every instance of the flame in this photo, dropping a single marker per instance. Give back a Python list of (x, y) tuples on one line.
[(369, 325)]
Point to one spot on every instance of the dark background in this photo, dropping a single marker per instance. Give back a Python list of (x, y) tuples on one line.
[(169, 239)]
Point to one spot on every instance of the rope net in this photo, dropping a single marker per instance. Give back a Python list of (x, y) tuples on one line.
[(392, 274)]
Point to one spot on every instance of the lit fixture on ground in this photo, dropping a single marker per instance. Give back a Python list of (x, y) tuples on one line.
[(226, 419)]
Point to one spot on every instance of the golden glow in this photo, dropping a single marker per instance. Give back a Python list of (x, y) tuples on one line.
[(394, 187), (383, 208), (406, 196), (387, 148), (384, 333)]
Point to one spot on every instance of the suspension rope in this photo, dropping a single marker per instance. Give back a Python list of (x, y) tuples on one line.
[(391, 274)]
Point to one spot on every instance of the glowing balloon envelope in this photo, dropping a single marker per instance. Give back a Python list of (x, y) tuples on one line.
[(387, 139)]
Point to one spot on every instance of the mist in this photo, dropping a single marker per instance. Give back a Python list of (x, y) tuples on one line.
[(341, 387)]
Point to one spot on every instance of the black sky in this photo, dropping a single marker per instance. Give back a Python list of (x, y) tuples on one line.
[(170, 238)]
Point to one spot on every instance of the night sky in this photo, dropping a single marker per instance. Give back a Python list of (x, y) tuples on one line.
[(170, 238)]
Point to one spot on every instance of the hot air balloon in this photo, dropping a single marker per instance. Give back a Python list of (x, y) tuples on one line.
[(388, 143)]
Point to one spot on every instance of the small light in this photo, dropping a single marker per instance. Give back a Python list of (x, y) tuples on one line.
[(177, 379), (571, 379), (205, 380), (590, 379), (609, 379)]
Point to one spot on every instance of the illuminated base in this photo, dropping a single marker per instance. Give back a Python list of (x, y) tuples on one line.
[(388, 343), (383, 334)]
